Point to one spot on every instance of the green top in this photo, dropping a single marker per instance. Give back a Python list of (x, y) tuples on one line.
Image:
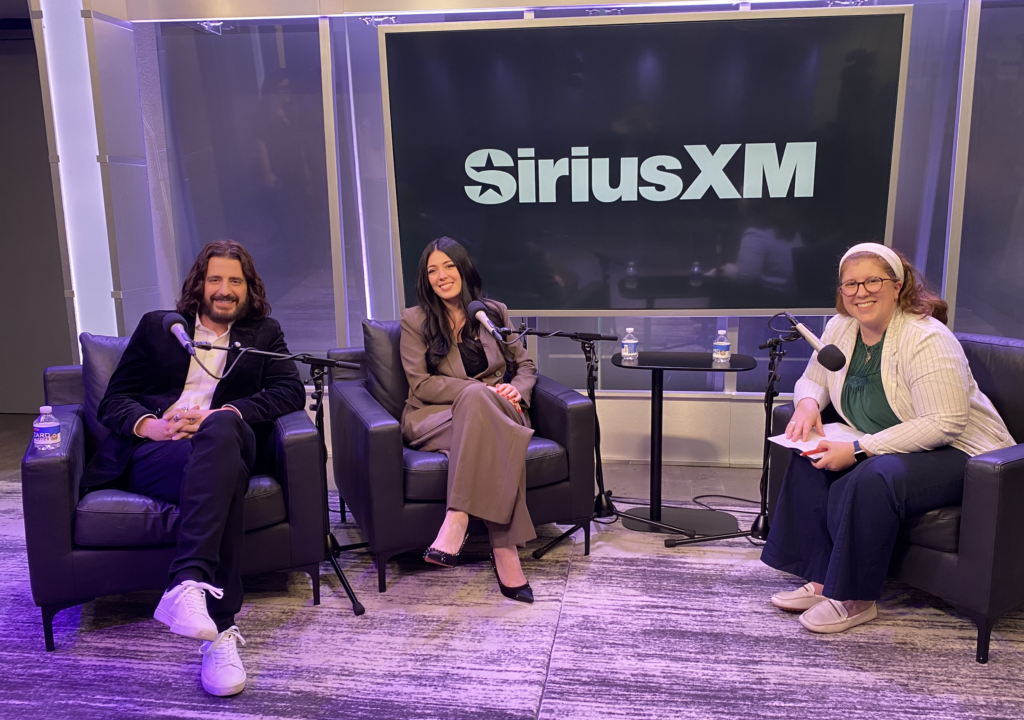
[(864, 401)]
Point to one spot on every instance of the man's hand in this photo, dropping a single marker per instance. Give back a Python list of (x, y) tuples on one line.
[(192, 419), (837, 455), (159, 430)]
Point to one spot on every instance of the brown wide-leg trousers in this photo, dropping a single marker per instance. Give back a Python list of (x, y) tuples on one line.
[(485, 442)]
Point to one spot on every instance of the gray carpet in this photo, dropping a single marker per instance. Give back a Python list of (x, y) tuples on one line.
[(633, 631)]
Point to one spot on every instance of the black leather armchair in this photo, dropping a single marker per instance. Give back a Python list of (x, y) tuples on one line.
[(397, 495), (112, 541), (968, 555)]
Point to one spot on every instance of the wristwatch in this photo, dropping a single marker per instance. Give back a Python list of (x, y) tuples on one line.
[(858, 453)]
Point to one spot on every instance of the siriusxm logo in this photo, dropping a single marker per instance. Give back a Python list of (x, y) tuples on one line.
[(536, 180)]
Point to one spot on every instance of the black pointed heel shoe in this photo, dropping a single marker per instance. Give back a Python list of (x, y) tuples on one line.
[(440, 557), (523, 593)]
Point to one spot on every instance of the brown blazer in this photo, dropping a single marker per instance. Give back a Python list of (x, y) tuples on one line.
[(431, 396)]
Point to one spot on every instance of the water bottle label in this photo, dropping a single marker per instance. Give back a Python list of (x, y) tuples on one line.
[(721, 351), (43, 435)]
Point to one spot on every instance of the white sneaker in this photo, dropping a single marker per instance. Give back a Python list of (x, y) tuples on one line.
[(803, 598), (183, 609), (223, 673)]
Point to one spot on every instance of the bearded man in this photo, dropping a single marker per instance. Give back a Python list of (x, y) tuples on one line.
[(184, 437)]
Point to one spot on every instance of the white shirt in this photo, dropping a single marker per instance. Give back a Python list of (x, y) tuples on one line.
[(199, 387)]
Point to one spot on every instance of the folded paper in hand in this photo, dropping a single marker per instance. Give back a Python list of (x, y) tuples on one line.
[(836, 432)]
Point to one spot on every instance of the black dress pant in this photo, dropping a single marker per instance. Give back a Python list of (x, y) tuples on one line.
[(206, 477), (839, 528)]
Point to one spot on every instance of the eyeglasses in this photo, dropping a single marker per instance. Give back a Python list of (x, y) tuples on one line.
[(872, 285)]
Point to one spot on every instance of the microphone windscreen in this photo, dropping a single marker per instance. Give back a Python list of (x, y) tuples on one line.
[(831, 358), (173, 319), (475, 307)]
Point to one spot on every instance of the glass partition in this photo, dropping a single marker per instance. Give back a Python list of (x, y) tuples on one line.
[(244, 116), (991, 277)]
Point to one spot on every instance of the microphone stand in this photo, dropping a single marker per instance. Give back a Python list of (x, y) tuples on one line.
[(317, 370), (759, 528), (603, 505)]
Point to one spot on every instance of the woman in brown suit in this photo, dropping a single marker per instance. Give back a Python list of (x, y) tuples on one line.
[(468, 397)]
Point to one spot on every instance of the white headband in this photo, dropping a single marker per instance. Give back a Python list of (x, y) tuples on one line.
[(881, 251)]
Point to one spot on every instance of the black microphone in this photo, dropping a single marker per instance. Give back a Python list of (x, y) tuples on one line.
[(829, 356), (478, 310), (175, 325)]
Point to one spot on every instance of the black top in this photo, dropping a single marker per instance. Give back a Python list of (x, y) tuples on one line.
[(686, 361), (474, 359)]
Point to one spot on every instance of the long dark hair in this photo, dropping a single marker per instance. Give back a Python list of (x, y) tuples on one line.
[(437, 329), (191, 300), (915, 298)]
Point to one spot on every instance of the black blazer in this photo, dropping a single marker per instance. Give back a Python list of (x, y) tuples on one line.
[(151, 376)]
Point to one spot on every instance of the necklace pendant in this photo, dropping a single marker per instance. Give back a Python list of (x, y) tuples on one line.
[(867, 359)]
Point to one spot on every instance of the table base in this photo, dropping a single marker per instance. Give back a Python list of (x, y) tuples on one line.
[(703, 522)]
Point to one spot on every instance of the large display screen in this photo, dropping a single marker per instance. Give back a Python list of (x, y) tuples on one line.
[(695, 163)]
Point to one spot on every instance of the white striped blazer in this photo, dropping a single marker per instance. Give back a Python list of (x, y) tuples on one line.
[(927, 382)]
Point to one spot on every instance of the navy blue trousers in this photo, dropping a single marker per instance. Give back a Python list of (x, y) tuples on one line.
[(206, 476), (839, 528)]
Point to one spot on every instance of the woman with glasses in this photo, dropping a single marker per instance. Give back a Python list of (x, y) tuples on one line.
[(908, 387)]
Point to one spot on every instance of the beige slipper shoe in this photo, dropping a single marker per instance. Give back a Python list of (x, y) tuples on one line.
[(798, 600), (831, 617)]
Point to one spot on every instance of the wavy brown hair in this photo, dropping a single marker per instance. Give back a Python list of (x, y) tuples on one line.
[(915, 297), (191, 300)]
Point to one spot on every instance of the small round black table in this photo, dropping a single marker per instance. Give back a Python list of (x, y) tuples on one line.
[(702, 522)]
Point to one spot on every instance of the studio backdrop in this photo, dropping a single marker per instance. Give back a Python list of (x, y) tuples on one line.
[(712, 163)]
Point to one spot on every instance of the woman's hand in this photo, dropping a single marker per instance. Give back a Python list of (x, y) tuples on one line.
[(806, 417), (510, 393), (837, 455)]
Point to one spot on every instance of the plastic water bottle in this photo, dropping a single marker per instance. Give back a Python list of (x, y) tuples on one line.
[(721, 349), (630, 346), (46, 430)]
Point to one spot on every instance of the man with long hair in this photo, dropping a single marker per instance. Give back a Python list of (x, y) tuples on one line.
[(184, 437)]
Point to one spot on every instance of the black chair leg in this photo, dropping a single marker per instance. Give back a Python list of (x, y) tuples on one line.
[(49, 611), (984, 636), (314, 577), (382, 570), (586, 538)]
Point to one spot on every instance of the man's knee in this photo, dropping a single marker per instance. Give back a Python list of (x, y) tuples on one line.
[(224, 426)]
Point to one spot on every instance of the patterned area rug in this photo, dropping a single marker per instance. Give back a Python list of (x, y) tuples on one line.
[(635, 630)]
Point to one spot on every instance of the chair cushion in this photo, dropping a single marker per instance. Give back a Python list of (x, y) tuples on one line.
[(426, 473), (117, 518), (100, 356), (385, 376), (938, 530)]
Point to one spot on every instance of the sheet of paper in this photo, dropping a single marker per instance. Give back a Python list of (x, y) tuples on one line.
[(839, 432)]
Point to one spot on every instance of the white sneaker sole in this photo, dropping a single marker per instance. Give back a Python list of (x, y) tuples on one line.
[(189, 631), (223, 690)]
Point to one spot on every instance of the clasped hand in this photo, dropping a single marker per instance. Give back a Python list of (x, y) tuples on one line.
[(182, 424), (510, 393)]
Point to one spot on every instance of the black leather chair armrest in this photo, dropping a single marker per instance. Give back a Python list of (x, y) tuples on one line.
[(352, 355), (990, 574), (49, 495), (367, 454), (564, 415), (62, 385), (300, 470)]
